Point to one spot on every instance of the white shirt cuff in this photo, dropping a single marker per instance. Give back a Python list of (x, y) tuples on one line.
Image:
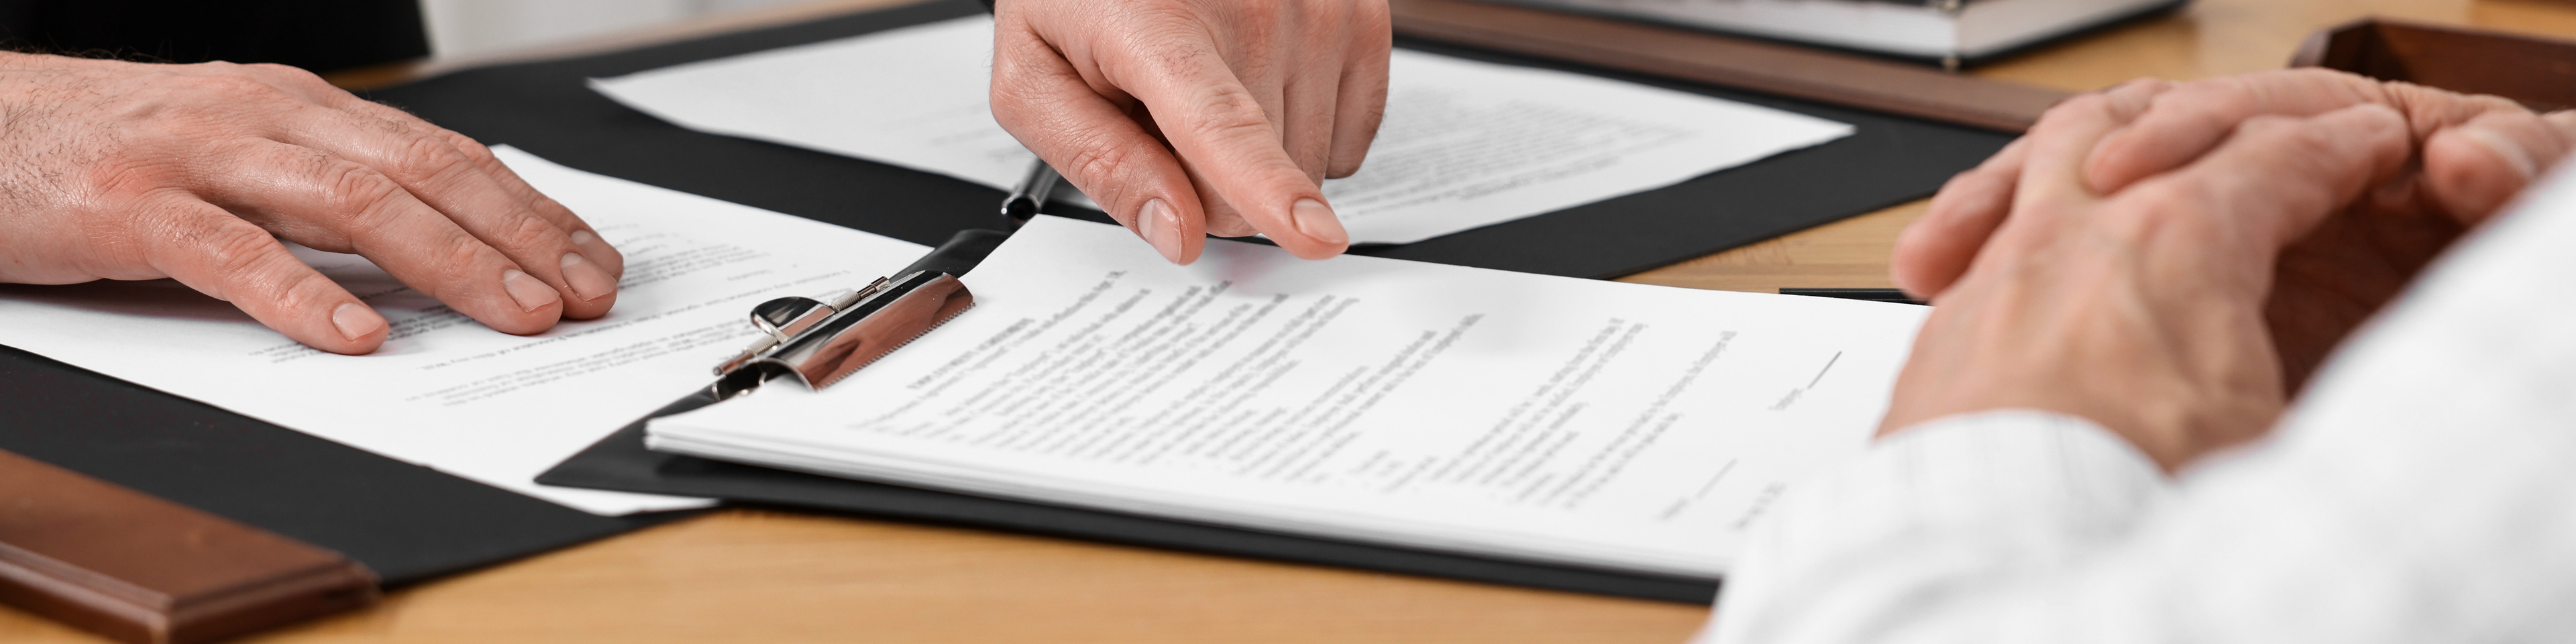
[(1932, 509)]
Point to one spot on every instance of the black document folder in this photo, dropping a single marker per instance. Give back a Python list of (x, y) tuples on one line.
[(548, 109), (410, 523), (407, 523)]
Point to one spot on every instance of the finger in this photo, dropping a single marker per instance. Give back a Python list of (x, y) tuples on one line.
[(1310, 93), (2050, 186), (1097, 146), (2474, 168), (329, 203), (210, 250), (2190, 119), (311, 88), (1933, 251), (1362, 95), (454, 184), (2276, 178), (1220, 126), (582, 234)]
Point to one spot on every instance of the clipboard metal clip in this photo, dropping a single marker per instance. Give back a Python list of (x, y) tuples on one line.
[(819, 342)]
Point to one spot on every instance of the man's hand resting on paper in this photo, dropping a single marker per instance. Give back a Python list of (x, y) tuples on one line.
[(2251, 223), (2471, 154), (131, 171), (1185, 118)]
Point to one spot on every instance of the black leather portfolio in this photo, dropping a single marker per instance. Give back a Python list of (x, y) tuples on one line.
[(546, 108), (409, 523)]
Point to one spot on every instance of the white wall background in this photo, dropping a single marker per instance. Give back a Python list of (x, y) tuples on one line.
[(472, 27)]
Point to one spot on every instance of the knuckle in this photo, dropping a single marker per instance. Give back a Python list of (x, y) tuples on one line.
[(232, 244), (2070, 108), (473, 150), (357, 199), (423, 157), (1228, 112), (1099, 156), (288, 73), (224, 246), (125, 175), (532, 233), (1171, 34), (463, 251), (307, 291), (1094, 163), (232, 84)]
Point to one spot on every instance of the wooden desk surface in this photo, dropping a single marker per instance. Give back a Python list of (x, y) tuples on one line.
[(766, 576)]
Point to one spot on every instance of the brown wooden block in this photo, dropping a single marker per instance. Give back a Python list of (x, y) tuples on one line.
[(137, 568), (2539, 72)]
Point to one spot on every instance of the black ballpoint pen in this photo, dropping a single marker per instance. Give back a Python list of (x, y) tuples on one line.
[(1870, 294), (1030, 196)]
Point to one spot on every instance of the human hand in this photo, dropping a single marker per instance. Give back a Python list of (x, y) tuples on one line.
[(2143, 310), (1185, 118), (133, 171), (2475, 152)]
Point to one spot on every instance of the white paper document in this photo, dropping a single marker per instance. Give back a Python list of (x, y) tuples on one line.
[(449, 393), (1505, 414), (1465, 143)]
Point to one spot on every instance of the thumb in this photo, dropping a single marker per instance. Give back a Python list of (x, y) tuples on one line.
[(2473, 168), (1040, 99)]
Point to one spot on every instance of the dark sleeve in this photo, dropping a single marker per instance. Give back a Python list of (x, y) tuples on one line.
[(320, 35)]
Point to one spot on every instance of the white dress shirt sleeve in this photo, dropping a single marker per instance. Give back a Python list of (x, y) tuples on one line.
[(2423, 489), (1952, 519)]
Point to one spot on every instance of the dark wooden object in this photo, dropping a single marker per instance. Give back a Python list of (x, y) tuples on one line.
[(136, 568), (2539, 72), (1786, 70)]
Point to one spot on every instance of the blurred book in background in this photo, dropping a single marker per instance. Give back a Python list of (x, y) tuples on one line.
[(1951, 32)]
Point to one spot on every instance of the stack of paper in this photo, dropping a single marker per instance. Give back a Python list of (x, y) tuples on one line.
[(1503, 414)]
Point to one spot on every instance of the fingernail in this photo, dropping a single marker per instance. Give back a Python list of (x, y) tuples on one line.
[(586, 278), (356, 320), (1317, 221), (2512, 152), (531, 293), (592, 246), (1162, 228)]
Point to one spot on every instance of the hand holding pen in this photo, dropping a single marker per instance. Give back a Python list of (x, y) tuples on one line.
[(1186, 118)]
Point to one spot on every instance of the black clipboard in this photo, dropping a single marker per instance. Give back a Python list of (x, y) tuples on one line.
[(622, 463)]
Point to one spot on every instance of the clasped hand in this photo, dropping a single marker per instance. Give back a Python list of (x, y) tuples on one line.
[(2173, 261)]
